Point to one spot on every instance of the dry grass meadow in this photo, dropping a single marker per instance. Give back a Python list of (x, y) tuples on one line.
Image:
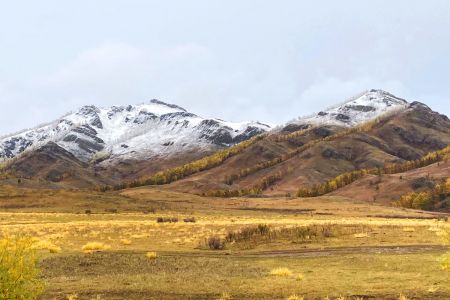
[(148, 243)]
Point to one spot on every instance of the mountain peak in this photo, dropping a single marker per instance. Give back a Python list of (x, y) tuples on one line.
[(360, 108), (156, 101), (146, 130), (88, 110), (384, 94)]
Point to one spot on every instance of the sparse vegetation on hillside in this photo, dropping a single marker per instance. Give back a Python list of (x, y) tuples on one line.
[(350, 177), (229, 179), (177, 173), (287, 137), (437, 197), (256, 189), (335, 183), (4, 173)]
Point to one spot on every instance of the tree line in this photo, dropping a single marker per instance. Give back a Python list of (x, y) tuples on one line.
[(286, 137), (350, 177), (231, 178), (269, 180), (177, 173), (437, 197), (256, 189)]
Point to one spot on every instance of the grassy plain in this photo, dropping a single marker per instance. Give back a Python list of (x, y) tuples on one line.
[(354, 249)]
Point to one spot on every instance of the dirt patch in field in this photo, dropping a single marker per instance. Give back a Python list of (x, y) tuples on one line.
[(353, 250)]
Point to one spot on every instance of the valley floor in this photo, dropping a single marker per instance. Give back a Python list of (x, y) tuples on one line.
[(349, 249)]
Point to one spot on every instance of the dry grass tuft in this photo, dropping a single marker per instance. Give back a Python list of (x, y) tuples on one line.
[(151, 255), (402, 297), (409, 229), (54, 249), (125, 242), (282, 272), (294, 297), (360, 235), (94, 247), (47, 245), (432, 289), (224, 296)]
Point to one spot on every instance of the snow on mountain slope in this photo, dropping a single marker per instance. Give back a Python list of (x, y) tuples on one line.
[(359, 109), (134, 131)]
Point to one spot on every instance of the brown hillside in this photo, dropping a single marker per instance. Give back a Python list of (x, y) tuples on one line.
[(405, 136), (54, 164), (267, 149), (387, 188)]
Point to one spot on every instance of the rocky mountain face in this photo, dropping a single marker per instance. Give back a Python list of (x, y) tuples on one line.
[(131, 132)]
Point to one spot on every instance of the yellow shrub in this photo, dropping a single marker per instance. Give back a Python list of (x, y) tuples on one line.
[(294, 297), (95, 246), (446, 261), (225, 296), (47, 245), (151, 255), (360, 235), (53, 248), (19, 276), (284, 272), (125, 242)]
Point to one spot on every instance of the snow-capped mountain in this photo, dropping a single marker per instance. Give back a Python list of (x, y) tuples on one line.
[(134, 131), (359, 109)]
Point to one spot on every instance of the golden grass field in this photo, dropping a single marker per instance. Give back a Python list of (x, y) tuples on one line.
[(110, 246)]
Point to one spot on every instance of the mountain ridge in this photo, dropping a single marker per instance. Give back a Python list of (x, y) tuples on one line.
[(153, 126), (382, 129), (356, 110)]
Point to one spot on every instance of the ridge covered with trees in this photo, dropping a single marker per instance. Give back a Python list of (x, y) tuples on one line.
[(177, 173), (230, 179), (350, 177)]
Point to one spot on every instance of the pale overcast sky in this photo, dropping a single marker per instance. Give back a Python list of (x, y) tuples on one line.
[(236, 60)]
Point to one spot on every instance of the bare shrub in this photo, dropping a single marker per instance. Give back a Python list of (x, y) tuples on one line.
[(250, 237), (216, 243), (167, 220)]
